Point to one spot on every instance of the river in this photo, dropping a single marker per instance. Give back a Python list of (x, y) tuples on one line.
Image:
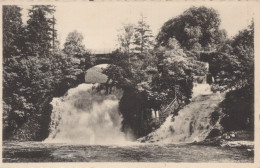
[(58, 152)]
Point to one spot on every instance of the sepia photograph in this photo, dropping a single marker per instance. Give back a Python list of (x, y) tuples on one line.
[(129, 82)]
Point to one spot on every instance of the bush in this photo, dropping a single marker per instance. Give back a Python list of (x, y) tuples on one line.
[(239, 109)]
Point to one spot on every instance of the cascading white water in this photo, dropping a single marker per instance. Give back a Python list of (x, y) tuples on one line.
[(85, 116), (201, 89), (192, 122)]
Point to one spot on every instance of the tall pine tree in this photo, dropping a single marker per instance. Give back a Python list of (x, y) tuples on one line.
[(40, 31), (142, 37), (12, 31)]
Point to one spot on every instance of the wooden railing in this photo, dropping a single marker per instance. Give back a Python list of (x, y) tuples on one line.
[(172, 103), (165, 112)]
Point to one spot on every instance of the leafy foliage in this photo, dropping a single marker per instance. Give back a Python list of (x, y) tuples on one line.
[(31, 78), (125, 38), (238, 107), (154, 78), (76, 52), (131, 70), (175, 72), (142, 37), (239, 103), (196, 29), (40, 31), (73, 45), (233, 65), (12, 31), (233, 69)]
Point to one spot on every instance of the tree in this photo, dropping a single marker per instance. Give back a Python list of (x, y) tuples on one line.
[(238, 107), (12, 31), (13, 111), (132, 76), (76, 53), (175, 68), (125, 38), (233, 64), (142, 37), (40, 32), (136, 43), (151, 83), (74, 45), (25, 85), (136, 47), (32, 79), (196, 29), (243, 49), (125, 41), (233, 68)]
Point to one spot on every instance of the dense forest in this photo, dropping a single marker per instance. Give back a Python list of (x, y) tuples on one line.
[(151, 72)]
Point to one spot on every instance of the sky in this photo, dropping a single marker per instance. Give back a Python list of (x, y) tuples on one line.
[(100, 22)]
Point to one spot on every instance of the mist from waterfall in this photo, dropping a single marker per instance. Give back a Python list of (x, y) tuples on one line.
[(86, 116)]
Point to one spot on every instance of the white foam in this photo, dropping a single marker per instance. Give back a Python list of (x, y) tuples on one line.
[(84, 117)]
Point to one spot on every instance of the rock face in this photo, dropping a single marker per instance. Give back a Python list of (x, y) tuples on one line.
[(95, 75)]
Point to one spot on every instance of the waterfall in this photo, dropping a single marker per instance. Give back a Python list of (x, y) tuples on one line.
[(86, 116), (193, 122)]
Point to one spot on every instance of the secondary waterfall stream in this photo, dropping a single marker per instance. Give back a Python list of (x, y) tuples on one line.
[(86, 116), (193, 122)]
